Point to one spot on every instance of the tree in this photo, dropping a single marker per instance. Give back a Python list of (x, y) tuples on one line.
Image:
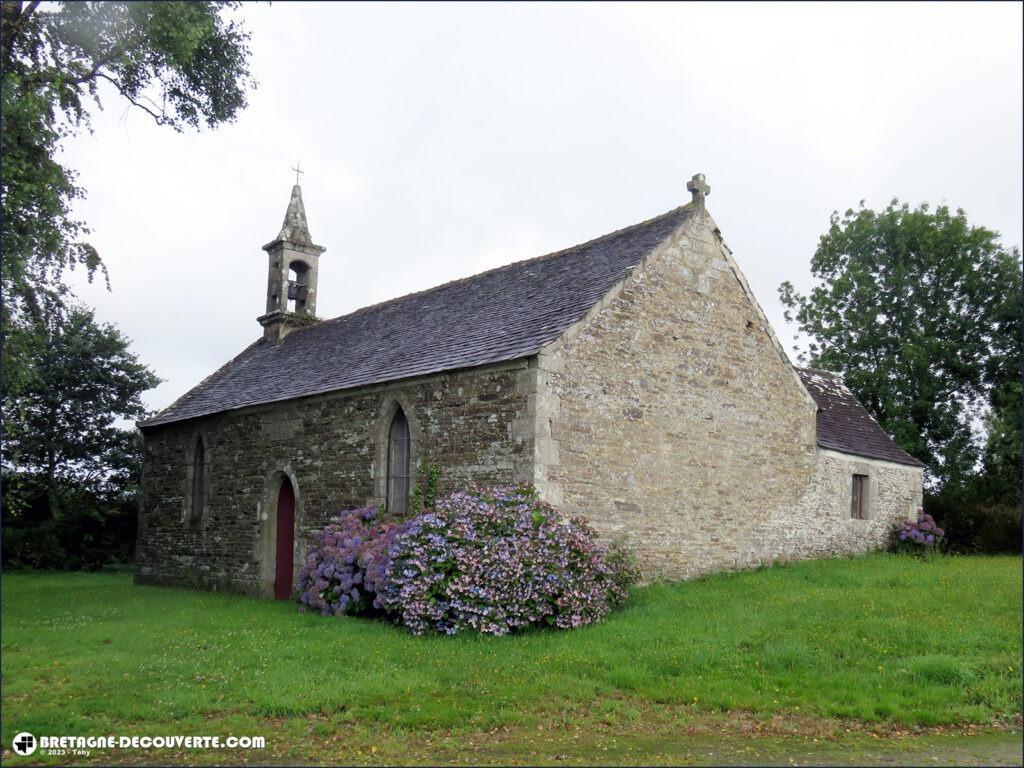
[(183, 63), (1002, 458), (920, 311), (61, 426), (69, 468), (70, 464)]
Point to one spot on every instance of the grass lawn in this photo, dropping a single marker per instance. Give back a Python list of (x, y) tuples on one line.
[(818, 661)]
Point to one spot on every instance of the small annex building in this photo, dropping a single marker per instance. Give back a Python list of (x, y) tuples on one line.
[(634, 379)]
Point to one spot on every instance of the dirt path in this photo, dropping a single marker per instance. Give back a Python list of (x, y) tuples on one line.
[(988, 748), (710, 739)]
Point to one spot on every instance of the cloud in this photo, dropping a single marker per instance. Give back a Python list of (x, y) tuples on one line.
[(442, 140)]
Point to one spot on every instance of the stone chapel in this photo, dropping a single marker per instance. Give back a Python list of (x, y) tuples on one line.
[(633, 379)]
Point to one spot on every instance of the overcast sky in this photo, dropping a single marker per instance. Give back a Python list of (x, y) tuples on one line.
[(442, 140)]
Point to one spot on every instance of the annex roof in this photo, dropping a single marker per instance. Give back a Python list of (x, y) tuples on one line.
[(845, 425)]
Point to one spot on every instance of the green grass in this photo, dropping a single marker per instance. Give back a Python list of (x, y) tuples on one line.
[(879, 639)]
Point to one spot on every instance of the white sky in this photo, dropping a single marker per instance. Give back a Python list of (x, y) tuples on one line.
[(442, 140)]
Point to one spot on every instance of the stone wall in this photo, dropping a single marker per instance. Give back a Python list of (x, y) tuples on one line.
[(472, 424), (820, 524), (672, 416)]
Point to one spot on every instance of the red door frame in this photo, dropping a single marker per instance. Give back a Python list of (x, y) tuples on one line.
[(285, 541)]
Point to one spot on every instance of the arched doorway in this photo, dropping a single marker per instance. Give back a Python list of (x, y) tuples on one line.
[(285, 549)]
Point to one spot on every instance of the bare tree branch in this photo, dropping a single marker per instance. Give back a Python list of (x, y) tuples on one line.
[(160, 119)]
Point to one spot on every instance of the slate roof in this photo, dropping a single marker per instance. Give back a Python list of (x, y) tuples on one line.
[(844, 424), (503, 314)]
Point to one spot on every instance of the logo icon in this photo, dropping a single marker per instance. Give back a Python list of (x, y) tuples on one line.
[(24, 744)]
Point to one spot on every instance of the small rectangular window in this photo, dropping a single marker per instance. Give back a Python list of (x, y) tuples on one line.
[(858, 502)]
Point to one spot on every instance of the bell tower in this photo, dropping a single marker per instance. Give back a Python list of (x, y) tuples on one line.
[(291, 277)]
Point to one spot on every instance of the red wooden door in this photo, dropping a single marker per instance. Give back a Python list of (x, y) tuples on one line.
[(285, 541)]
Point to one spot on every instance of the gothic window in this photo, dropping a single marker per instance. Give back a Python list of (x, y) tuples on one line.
[(398, 464), (858, 501), (198, 483)]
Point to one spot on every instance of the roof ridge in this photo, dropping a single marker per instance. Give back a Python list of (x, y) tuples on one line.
[(475, 275), (811, 369), (499, 314)]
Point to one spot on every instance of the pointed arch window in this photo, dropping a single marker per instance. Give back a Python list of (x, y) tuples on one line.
[(198, 483), (398, 464)]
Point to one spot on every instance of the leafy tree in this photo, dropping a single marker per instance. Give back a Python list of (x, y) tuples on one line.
[(183, 63), (1002, 458), (63, 427), (920, 311), (69, 468)]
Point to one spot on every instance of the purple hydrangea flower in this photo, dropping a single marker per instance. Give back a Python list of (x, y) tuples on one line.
[(921, 535)]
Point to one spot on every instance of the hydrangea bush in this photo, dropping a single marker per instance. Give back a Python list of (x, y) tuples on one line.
[(922, 536), (494, 561), (341, 571)]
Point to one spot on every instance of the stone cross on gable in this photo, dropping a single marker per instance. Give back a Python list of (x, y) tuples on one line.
[(698, 188), (298, 171)]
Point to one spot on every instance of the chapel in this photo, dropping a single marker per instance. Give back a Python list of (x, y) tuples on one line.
[(633, 379)]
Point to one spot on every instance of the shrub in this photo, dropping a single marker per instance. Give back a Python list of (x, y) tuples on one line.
[(998, 530), (498, 561), (69, 530), (341, 571), (977, 527), (493, 561), (36, 547), (922, 536), (424, 492), (625, 571)]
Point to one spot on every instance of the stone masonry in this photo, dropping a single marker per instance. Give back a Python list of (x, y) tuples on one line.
[(472, 424), (671, 417)]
